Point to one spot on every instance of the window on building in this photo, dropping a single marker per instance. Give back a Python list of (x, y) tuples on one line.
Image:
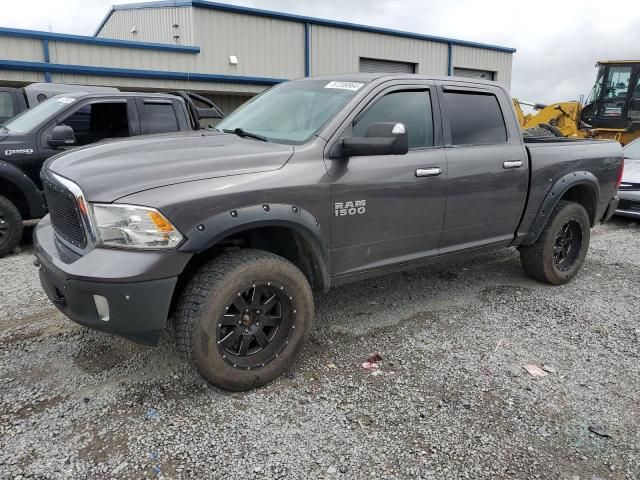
[(371, 65), (158, 118), (97, 121), (6, 105), (474, 118), (412, 108)]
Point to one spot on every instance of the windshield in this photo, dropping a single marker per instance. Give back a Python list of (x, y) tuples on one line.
[(632, 150), (292, 112), (30, 119)]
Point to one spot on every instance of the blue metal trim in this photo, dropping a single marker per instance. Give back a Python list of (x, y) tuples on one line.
[(307, 50), (106, 42), (133, 73), (311, 20), (450, 60), (47, 59)]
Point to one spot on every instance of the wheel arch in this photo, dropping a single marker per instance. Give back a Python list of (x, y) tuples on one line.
[(579, 187), (286, 230), (22, 191)]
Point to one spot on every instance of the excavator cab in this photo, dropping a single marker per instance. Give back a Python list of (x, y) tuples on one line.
[(614, 101)]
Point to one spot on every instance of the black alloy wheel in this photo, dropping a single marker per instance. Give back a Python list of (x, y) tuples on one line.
[(567, 245), (256, 325), (10, 226)]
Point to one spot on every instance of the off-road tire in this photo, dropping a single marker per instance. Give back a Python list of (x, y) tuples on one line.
[(207, 297), (538, 259), (10, 226)]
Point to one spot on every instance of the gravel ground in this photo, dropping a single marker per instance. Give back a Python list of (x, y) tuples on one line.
[(451, 400)]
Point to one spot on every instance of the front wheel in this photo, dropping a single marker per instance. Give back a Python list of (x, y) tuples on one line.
[(244, 317), (558, 254), (10, 226)]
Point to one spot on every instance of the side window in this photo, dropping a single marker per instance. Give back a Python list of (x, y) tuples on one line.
[(158, 118), (97, 121), (474, 118), (6, 105), (413, 108)]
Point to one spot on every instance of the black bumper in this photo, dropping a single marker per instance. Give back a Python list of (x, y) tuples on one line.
[(138, 303)]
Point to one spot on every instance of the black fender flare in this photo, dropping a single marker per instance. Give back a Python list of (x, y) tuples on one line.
[(216, 228), (26, 186), (555, 194)]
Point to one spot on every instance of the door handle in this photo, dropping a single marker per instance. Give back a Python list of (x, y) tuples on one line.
[(512, 164), (428, 172)]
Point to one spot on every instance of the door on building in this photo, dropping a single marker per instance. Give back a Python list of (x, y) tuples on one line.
[(473, 73), (372, 65)]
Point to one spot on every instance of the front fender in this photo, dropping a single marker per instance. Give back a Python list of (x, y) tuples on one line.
[(220, 226), (25, 185), (555, 194)]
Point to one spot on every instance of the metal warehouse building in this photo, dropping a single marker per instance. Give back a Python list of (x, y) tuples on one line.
[(230, 53)]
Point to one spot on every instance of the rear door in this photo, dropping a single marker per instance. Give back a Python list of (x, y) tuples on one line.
[(389, 209), (488, 174)]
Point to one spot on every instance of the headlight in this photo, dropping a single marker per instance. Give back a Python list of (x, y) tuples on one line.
[(130, 226)]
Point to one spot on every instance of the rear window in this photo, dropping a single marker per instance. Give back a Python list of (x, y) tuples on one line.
[(158, 118), (474, 118)]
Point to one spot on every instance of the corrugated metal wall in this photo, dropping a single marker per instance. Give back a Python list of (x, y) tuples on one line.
[(265, 47), (15, 48), (336, 50), (482, 59), (151, 24), (118, 57)]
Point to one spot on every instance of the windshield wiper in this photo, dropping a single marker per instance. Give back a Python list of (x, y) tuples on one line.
[(3, 128), (244, 134)]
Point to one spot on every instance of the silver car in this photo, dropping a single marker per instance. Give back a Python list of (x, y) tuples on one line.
[(629, 192)]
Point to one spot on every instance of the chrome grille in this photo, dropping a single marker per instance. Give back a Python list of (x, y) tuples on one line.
[(65, 215)]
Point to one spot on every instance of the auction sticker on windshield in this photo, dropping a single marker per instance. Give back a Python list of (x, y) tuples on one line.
[(66, 100), (355, 86)]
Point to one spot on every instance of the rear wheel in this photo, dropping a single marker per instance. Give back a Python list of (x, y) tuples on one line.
[(558, 254), (10, 226), (244, 317)]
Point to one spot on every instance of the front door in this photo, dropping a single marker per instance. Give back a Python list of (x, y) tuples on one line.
[(389, 209)]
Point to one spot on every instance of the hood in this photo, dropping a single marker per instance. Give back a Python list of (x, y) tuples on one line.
[(111, 170), (631, 172)]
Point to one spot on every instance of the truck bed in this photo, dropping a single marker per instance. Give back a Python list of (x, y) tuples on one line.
[(552, 159)]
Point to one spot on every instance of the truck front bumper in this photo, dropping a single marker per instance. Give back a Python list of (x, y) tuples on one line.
[(127, 293)]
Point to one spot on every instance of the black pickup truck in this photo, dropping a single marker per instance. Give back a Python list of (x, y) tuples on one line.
[(15, 100), (314, 183), (76, 119)]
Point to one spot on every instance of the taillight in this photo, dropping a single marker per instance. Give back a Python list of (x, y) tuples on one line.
[(620, 172)]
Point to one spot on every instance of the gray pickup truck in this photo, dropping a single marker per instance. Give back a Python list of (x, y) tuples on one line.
[(312, 184)]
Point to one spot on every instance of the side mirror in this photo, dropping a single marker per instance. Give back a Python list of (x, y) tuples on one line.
[(62, 135), (385, 138)]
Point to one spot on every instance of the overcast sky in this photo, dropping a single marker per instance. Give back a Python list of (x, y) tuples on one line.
[(558, 41)]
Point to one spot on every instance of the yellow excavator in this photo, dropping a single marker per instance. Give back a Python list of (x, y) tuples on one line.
[(612, 109)]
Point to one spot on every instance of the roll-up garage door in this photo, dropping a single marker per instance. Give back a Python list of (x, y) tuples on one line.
[(370, 65), (473, 73)]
